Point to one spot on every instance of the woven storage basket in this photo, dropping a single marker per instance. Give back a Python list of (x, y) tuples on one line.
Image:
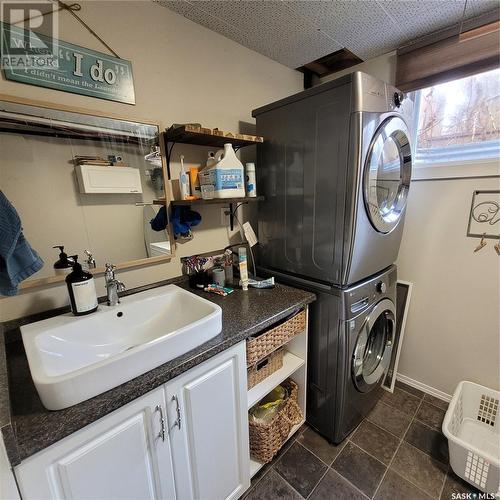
[(262, 369), (266, 439), (263, 345)]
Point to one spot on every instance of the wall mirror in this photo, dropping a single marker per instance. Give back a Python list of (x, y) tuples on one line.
[(83, 181)]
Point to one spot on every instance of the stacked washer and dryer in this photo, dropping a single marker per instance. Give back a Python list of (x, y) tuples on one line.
[(335, 172)]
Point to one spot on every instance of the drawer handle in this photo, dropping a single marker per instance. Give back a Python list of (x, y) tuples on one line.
[(162, 433), (177, 422)]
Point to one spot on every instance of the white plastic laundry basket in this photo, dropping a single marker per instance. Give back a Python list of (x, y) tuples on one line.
[(472, 426)]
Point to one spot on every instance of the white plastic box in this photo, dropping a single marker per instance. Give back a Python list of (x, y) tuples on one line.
[(102, 179), (472, 426)]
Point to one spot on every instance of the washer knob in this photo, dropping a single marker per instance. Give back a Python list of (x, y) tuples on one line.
[(381, 287)]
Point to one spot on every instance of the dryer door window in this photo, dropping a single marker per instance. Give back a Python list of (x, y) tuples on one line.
[(373, 350), (387, 174)]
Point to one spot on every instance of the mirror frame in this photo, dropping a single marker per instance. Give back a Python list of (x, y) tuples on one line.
[(131, 264)]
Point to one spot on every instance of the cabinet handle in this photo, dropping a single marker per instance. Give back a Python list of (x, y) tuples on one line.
[(177, 423), (162, 422)]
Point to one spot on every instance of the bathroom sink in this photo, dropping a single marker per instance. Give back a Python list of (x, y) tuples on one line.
[(73, 358)]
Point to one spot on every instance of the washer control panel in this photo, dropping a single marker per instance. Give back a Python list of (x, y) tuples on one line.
[(360, 297)]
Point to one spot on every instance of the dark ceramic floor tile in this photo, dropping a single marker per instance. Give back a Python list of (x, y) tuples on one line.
[(334, 487), (431, 415), (390, 419), (420, 469), (319, 446), (376, 441), (351, 461), (300, 468), (402, 401), (428, 440), (411, 390), (272, 487), (436, 402), (394, 487), (455, 486)]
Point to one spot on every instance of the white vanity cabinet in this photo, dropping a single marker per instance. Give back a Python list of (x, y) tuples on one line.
[(207, 414), (122, 455), (202, 454)]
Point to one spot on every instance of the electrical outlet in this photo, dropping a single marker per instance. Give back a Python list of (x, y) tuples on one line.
[(224, 216)]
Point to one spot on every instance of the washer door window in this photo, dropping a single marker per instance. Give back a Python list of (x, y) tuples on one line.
[(373, 350), (387, 174)]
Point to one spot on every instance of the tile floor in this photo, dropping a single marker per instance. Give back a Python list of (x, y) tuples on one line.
[(398, 452)]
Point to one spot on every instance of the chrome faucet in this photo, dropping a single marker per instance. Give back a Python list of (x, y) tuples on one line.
[(113, 285)]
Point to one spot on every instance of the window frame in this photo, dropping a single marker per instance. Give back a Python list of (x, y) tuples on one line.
[(467, 160)]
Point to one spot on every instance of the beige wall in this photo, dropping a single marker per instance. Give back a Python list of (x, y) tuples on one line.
[(182, 73), (453, 329)]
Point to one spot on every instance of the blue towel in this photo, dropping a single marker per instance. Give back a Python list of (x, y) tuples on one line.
[(183, 219), (18, 260), (160, 222)]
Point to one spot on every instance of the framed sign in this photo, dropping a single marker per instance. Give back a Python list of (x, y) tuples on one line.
[(69, 68)]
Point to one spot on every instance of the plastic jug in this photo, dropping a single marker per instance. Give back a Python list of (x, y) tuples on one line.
[(226, 174)]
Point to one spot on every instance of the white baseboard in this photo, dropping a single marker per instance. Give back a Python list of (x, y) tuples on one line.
[(424, 387)]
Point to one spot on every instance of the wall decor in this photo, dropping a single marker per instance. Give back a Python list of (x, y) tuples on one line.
[(78, 70), (484, 217)]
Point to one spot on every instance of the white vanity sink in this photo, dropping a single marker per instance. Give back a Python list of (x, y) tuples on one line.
[(75, 358)]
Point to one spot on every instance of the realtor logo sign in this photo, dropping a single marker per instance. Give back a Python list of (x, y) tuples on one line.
[(42, 60)]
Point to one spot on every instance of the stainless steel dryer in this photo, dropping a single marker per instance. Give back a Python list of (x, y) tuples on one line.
[(335, 171)]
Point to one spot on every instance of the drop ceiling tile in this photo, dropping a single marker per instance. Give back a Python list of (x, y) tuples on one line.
[(363, 27), (421, 17), (268, 27)]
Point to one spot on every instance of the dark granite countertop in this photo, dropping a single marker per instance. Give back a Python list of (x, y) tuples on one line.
[(28, 427)]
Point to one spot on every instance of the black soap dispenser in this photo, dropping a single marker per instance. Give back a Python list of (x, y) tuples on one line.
[(81, 289), (64, 265)]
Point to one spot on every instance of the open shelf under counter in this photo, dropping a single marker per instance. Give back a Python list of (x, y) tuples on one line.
[(291, 363), (256, 466)]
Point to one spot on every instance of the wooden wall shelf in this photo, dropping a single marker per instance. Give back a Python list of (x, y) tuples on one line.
[(201, 137), (216, 201)]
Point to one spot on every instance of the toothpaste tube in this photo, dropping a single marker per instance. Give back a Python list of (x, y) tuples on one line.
[(219, 290), (269, 283)]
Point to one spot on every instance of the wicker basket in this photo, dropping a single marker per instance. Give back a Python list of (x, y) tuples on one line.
[(266, 439), (263, 345), (261, 370)]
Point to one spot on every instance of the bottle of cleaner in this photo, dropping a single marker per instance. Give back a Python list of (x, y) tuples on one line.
[(64, 265), (81, 289), (226, 174), (250, 182), (184, 181)]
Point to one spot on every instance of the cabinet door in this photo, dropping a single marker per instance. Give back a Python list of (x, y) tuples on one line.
[(209, 428), (121, 456)]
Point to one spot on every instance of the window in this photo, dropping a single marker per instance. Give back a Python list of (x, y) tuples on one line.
[(458, 121)]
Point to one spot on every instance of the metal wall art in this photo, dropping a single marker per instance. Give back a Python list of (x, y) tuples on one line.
[(484, 218)]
